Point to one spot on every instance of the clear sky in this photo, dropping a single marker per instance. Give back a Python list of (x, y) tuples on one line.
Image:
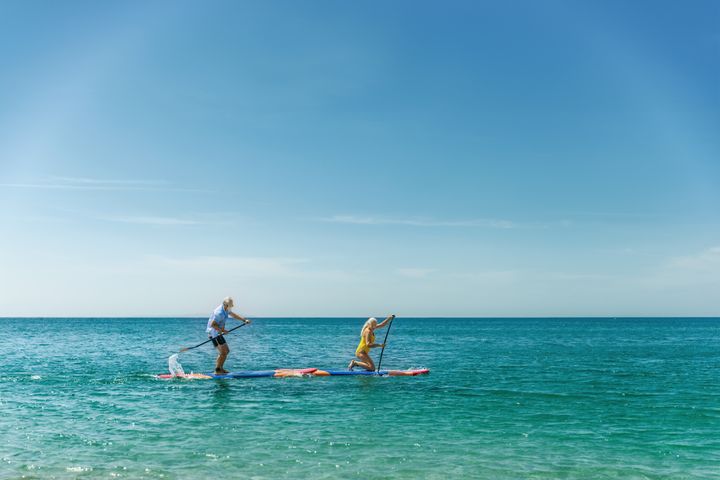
[(523, 158)]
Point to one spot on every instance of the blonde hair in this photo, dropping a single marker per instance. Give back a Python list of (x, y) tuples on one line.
[(369, 321), (228, 302)]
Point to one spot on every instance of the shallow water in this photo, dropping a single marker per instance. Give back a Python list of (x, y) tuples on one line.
[(506, 398)]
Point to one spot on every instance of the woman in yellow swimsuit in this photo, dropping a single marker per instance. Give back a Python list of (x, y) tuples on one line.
[(367, 341)]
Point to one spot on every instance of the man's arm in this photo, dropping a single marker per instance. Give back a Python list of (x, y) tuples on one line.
[(217, 327), (238, 317)]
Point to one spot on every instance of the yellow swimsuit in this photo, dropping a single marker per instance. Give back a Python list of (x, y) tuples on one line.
[(362, 346)]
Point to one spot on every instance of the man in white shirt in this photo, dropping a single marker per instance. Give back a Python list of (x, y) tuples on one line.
[(216, 328)]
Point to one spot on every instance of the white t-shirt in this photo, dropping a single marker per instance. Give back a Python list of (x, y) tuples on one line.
[(220, 316)]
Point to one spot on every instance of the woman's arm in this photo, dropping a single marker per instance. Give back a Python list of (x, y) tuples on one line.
[(367, 340), (384, 322)]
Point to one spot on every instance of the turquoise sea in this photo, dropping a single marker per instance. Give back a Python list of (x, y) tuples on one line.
[(505, 399)]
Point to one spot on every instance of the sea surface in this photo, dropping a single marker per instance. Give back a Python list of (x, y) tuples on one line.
[(505, 399)]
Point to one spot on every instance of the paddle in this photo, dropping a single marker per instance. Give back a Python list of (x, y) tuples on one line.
[(210, 340), (384, 343)]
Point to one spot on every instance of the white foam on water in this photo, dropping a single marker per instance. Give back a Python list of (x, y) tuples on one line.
[(78, 469), (174, 365)]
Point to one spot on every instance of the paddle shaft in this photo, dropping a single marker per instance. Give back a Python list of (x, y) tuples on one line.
[(210, 340), (384, 343)]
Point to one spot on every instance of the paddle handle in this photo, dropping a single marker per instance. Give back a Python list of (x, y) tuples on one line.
[(210, 339), (384, 343)]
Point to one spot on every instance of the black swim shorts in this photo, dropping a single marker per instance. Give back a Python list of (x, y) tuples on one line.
[(217, 341)]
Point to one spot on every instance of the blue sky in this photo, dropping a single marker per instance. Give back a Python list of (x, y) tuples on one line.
[(360, 158)]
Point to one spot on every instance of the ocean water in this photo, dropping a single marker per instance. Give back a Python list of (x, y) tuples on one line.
[(505, 399)]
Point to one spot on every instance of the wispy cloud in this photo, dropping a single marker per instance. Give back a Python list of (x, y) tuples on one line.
[(492, 276), (84, 183), (105, 182), (196, 218), (240, 266), (415, 272), (159, 221), (612, 215), (419, 221), (688, 276), (707, 260)]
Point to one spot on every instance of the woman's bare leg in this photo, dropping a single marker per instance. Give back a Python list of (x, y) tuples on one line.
[(365, 362)]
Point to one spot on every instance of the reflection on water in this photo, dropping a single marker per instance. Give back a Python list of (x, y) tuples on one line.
[(221, 392)]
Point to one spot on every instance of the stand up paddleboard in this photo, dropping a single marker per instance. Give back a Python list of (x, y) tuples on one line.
[(280, 372), (389, 373), (294, 372)]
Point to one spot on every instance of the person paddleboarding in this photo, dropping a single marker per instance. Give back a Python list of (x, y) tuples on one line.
[(216, 329), (367, 341)]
